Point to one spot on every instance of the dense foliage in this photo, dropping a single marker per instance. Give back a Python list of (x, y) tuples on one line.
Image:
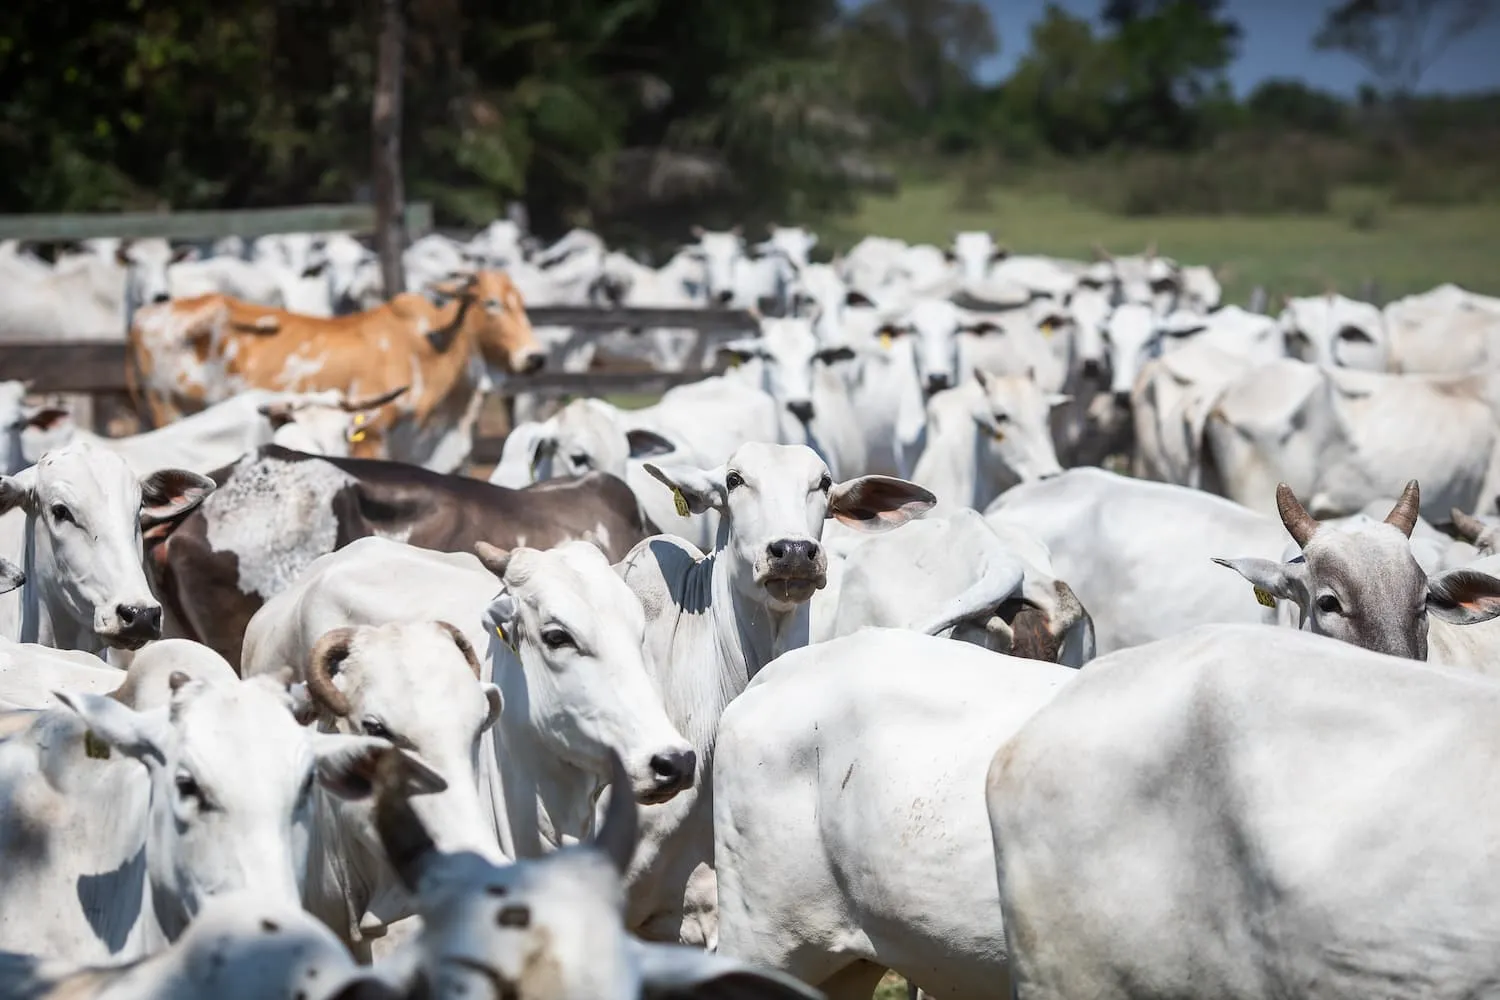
[(641, 115)]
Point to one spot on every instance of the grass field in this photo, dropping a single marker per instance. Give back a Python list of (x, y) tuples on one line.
[(1401, 249)]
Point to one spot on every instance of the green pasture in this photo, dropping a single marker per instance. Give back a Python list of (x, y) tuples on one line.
[(1401, 249)]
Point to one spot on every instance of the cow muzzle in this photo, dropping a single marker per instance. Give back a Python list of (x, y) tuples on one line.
[(130, 626), (672, 771), (937, 383), (529, 363), (794, 569)]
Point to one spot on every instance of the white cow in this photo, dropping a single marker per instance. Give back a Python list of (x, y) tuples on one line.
[(1362, 584), (146, 263), (120, 823), (720, 255), (546, 927), (80, 298), (1201, 291), (713, 621), (575, 687), (1446, 330), (419, 686), (1183, 819), (850, 836), (500, 244), (241, 946), (85, 510), (986, 436), (31, 675), (788, 364), (241, 279), (956, 575), (975, 253), (1335, 331), (1139, 555), (1170, 405), (21, 425), (870, 264)]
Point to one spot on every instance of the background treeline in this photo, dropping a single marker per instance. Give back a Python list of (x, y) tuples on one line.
[(640, 116)]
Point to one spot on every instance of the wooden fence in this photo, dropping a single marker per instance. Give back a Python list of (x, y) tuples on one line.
[(248, 223)]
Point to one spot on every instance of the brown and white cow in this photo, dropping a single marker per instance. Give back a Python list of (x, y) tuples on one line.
[(189, 353), (281, 509)]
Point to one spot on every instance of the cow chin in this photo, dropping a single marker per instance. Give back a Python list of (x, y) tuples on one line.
[(124, 639), (794, 589)]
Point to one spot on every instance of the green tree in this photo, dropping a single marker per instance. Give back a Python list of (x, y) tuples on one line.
[(1399, 40), (1066, 84), (1174, 54)]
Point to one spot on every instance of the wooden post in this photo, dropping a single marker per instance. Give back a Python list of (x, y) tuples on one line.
[(385, 121)]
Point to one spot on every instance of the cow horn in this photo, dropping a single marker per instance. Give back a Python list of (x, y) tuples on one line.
[(1404, 514), (332, 649), (1468, 526), (1151, 250), (621, 826), (1102, 254), (1298, 522), (375, 402), (464, 646)]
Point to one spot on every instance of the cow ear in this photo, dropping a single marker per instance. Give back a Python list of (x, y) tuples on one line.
[(1273, 579), (44, 418), (348, 767), (18, 491), (682, 972), (832, 355), (184, 253), (1464, 597), (140, 735), (858, 299), (279, 413), (878, 503), (696, 490), (11, 576), (169, 493), (408, 844), (647, 444)]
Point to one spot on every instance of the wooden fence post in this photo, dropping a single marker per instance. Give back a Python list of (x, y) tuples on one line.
[(385, 120)]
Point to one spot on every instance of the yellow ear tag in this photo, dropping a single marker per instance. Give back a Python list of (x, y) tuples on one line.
[(359, 420), (94, 747), (885, 341), (999, 435), (734, 361), (1047, 328), (509, 640), (357, 437), (680, 502), (1264, 598)]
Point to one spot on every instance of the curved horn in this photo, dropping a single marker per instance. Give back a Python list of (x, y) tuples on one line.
[(1298, 522), (621, 826), (464, 646), (1100, 253), (354, 406), (1468, 526), (1151, 250), (1404, 514), (332, 649)]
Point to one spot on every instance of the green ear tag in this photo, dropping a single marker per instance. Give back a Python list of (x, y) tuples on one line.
[(680, 502), (94, 747), (1265, 598)]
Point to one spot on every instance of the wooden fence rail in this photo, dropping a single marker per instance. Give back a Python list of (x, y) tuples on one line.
[(248, 223)]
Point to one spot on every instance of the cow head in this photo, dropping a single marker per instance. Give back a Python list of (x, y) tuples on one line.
[(1362, 584), (1131, 338), (974, 253), (329, 422), (774, 500), (1012, 417), (86, 510), (579, 672), (789, 354), (491, 302), (584, 437), (146, 263), (932, 327), (721, 255), (23, 427), (231, 774), (418, 686), (1331, 330)]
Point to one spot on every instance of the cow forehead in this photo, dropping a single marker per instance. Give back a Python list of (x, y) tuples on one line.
[(767, 465), (1362, 552), (235, 730), (1012, 392), (789, 337), (82, 469), (934, 315), (412, 664)]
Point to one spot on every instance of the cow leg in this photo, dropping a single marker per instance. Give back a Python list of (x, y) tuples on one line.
[(853, 982)]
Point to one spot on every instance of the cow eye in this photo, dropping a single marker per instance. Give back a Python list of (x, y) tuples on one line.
[(826, 483), (1002, 418), (377, 729), (556, 638), (494, 305), (62, 515), (733, 481), (1329, 605), (188, 790), (579, 458)]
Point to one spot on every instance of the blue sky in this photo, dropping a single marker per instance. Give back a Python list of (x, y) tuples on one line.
[(1277, 42)]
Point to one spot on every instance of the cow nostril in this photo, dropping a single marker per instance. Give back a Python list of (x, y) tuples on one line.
[(723, 297), (1092, 369), (140, 618), (776, 550), (534, 363), (160, 297), (810, 549), (673, 768), (936, 383), (1122, 397), (801, 409)]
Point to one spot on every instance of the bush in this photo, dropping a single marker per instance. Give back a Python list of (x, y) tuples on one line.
[(1363, 208)]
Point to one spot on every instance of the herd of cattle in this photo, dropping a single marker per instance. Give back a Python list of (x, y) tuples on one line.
[(852, 658)]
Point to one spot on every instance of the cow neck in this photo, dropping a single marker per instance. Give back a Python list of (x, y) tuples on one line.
[(344, 863), (548, 801)]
